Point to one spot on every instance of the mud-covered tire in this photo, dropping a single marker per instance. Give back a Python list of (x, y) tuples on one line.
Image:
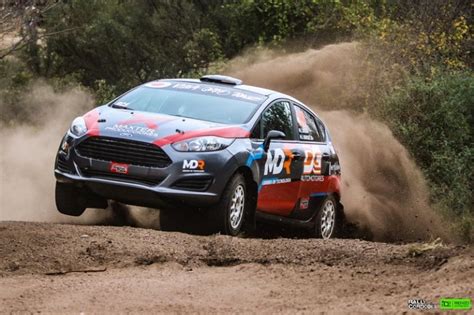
[(227, 216), (328, 220), (68, 200)]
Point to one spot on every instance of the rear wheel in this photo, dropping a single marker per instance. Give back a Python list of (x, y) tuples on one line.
[(328, 220), (68, 199)]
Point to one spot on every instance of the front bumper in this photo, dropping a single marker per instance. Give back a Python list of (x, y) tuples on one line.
[(139, 195), (174, 185)]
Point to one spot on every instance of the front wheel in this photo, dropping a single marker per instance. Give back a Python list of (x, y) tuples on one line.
[(68, 200), (328, 220), (71, 200), (228, 215)]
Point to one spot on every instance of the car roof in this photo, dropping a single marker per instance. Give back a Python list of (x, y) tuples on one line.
[(250, 88)]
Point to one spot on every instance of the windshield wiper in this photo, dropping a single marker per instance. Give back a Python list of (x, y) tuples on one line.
[(120, 106)]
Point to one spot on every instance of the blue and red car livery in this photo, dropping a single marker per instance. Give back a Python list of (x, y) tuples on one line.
[(212, 154)]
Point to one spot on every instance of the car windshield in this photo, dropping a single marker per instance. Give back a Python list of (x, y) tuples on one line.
[(193, 100)]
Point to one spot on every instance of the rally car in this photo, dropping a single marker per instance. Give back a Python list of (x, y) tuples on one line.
[(211, 153)]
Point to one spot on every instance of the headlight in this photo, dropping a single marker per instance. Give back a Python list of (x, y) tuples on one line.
[(202, 144), (78, 127)]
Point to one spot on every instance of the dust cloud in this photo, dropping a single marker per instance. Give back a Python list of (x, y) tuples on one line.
[(383, 191), (28, 149), (27, 155)]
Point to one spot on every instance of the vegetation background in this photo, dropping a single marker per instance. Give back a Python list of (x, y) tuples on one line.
[(418, 56)]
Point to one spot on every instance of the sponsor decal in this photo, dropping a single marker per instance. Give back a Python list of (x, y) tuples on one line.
[(186, 86), (275, 162), (312, 178), (215, 90), (312, 162), (247, 97), (149, 122), (134, 130), (120, 168), (281, 159), (288, 160), (303, 127), (194, 166), (158, 84), (301, 119), (210, 90), (304, 203), (273, 181), (202, 88)]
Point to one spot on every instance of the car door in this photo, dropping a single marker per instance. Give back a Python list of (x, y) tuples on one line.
[(281, 166), (313, 183)]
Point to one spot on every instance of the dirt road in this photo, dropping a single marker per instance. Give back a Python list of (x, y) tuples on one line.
[(58, 268)]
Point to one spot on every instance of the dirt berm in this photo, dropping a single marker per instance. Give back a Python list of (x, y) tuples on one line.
[(57, 268)]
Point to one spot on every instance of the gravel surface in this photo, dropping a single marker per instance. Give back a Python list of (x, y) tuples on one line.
[(56, 268)]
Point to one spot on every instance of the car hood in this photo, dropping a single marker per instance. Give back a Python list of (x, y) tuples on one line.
[(154, 128)]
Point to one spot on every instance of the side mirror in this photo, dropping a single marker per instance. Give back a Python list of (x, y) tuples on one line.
[(272, 135)]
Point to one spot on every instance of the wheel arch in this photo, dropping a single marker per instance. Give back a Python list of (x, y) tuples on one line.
[(340, 206), (337, 196)]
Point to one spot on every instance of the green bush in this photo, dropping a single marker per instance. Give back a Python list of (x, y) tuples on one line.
[(13, 82), (434, 119), (125, 43), (104, 93)]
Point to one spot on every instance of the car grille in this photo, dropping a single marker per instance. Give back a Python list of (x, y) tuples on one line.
[(198, 184), (121, 177), (123, 151), (63, 167)]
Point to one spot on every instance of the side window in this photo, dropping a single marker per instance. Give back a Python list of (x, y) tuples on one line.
[(322, 129), (278, 117), (308, 129)]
